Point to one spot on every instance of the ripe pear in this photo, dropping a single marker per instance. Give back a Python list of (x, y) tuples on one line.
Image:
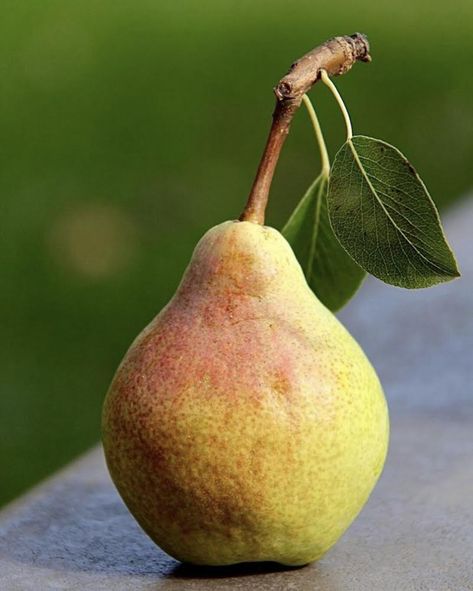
[(245, 423)]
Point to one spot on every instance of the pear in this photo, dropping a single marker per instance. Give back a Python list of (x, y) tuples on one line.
[(245, 423)]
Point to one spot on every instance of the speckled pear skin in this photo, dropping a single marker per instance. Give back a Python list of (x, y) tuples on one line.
[(245, 423)]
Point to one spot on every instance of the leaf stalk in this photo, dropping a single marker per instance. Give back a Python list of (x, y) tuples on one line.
[(333, 89), (325, 161)]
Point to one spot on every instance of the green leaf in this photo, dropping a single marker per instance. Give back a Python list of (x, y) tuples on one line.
[(331, 273), (384, 216)]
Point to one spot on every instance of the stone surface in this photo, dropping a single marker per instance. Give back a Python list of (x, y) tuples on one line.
[(416, 531)]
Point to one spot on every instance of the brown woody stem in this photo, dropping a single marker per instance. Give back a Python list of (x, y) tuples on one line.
[(336, 57)]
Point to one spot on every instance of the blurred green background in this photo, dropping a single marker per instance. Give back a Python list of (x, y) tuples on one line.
[(129, 128)]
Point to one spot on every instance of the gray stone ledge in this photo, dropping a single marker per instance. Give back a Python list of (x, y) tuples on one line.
[(415, 533)]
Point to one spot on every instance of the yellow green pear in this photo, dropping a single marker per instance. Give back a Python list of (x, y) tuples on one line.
[(245, 423)]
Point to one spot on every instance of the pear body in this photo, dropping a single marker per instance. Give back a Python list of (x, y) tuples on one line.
[(245, 423)]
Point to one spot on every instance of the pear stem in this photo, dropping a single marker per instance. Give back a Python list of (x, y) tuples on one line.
[(336, 56)]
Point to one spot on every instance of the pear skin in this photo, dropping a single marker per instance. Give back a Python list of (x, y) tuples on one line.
[(245, 423)]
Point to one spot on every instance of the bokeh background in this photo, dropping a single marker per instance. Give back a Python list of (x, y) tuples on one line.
[(129, 128)]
